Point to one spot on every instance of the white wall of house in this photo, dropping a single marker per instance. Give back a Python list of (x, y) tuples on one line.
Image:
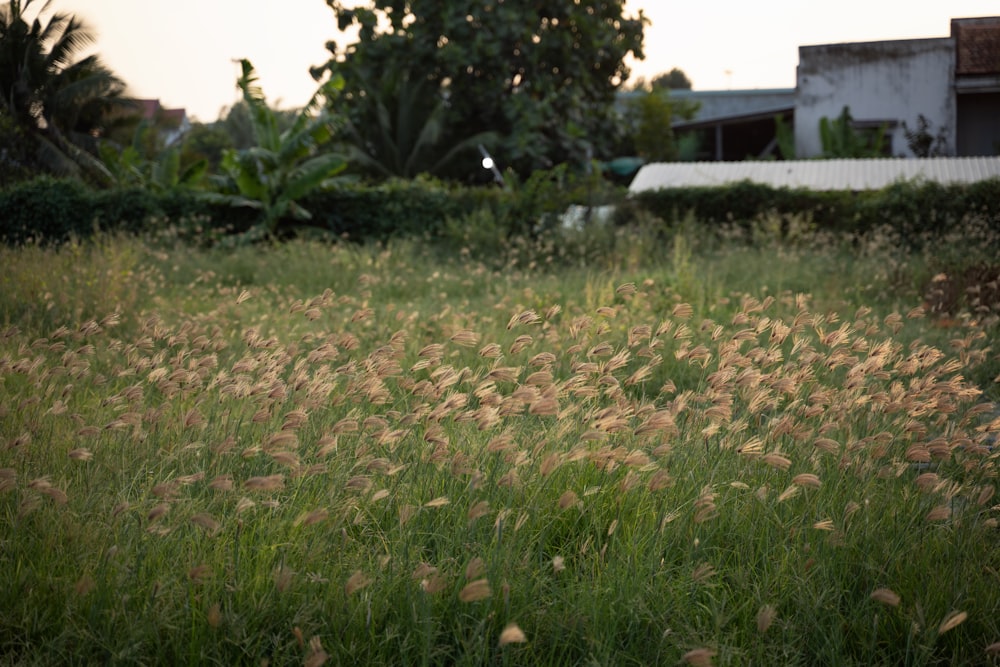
[(891, 81)]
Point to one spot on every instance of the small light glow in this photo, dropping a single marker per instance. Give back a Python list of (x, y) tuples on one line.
[(487, 163)]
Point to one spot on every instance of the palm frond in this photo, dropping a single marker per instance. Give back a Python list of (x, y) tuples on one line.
[(193, 174), (304, 178), (75, 36), (265, 124), (464, 146)]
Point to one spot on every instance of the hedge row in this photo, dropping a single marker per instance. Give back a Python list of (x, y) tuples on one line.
[(911, 207), (53, 210)]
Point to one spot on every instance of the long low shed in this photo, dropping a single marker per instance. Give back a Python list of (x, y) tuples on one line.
[(860, 174)]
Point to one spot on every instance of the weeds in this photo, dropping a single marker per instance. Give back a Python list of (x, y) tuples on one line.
[(375, 455)]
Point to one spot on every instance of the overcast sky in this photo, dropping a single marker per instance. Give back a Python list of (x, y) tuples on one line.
[(182, 51)]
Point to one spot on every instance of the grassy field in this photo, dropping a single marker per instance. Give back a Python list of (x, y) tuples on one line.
[(675, 452)]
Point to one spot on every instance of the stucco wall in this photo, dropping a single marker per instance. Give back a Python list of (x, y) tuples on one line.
[(880, 81)]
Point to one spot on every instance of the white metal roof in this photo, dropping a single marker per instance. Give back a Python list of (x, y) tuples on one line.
[(870, 174)]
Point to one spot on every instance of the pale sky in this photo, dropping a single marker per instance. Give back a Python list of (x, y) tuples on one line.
[(182, 51)]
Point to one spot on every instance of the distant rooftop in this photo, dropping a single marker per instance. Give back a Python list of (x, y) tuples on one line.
[(150, 109), (751, 102), (871, 174)]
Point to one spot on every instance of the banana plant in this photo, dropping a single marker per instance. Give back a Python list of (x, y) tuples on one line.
[(840, 139), (284, 166), (130, 166)]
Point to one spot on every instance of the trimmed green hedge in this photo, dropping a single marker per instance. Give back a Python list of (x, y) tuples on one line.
[(394, 208), (52, 210), (911, 207)]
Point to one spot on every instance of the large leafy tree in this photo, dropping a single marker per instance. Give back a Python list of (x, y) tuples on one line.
[(542, 75), (56, 97), (675, 79)]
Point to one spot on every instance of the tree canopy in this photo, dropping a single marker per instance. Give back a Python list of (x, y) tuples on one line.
[(675, 79), (55, 97), (541, 76)]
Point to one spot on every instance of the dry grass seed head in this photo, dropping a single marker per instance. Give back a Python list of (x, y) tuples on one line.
[(765, 617), (807, 480), (951, 621), (475, 569), (265, 483), (214, 615), (222, 483), (787, 494), (776, 460), (705, 508), (475, 591), (206, 522), (512, 634), (703, 572), (313, 517), (699, 657), (886, 596), (939, 513), (569, 499), (316, 656), (200, 573), (356, 582)]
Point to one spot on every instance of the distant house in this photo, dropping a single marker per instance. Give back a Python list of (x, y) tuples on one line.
[(736, 124), (172, 123), (947, 86)]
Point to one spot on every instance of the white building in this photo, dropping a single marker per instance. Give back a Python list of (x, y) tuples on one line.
[(953, 83), (884, 84)]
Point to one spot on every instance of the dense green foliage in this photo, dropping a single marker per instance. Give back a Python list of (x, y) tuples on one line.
[(647, 120), (913, 208), (58, 98), (423, 208), (146, 163), (542, 76), (406, 137), (52, 211), (282, 166), (840, 139)]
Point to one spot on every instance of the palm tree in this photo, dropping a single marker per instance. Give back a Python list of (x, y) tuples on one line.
[(58, 99)]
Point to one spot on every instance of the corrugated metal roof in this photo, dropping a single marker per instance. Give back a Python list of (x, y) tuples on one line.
[(872, 174)]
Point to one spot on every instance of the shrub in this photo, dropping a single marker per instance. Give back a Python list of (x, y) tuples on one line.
[(54, 209), (912, 208), (47, 209)]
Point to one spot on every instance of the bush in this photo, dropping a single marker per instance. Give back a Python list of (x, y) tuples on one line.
[(913, 208), (395, 208), (46, 209), (126, 209), (53, 209)]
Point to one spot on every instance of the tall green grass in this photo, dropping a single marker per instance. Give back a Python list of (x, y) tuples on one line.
[(709, 452)]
